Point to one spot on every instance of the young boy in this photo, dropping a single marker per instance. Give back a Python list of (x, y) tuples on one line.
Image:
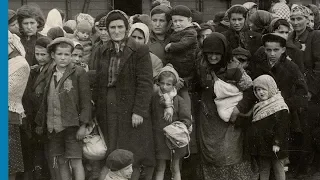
[(168, 107), (65, 110), (77, 56), (182, 48), (118, 166)]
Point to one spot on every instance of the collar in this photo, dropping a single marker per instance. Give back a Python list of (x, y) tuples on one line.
[(303, 37)]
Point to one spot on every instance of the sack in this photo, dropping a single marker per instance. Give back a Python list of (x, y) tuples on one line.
[(177, 135), (94, 146), (227, 98)]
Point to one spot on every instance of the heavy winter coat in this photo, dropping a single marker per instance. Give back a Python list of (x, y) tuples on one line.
[(252, 40), (182, 52), (134, 87)]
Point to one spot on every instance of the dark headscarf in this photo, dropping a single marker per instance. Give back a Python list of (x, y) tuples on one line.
[(261, 19)]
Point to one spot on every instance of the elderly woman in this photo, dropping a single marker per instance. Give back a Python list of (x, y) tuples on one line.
[(18, 75), (308, 41), (238, 34), (221, 143), (123, 94)]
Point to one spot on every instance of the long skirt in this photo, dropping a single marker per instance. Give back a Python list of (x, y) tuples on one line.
[(15, 150)]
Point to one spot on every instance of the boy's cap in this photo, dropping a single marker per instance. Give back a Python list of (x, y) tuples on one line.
[(242, 52), (43, 41), (181, 10), (58, 41), (84, 26), (273, 37), (12, 16), (119, 159), (77, 44), (169, 68)]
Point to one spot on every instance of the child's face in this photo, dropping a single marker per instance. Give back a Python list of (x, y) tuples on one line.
[(138, 36), (166, 84), (214, 58), (283, 30), (83, 35), (42, 55), (180, 22), (127, 172), (104, 36), (62, 56), (237, 21), (274, 51), (76, 55), (261, 93)]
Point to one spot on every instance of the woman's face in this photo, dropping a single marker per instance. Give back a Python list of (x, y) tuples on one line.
[(237, 21), (299, 23), (138, 36), (117, 30), (159, 23), (29, 26), (214, 58)]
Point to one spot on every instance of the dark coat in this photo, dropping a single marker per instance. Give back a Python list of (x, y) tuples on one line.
[(183, 50), (270, 131), (180, 113), (134, 89), (75, 103), (157, 46), (220, 28), (252, 39), (28, 45), (311, 57)]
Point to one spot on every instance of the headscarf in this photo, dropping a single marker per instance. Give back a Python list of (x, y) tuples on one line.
[(261, 19), (281, 10), (300, 11), (249, 5), (273, 104), (54, 19), (144, 28), (123, 16)]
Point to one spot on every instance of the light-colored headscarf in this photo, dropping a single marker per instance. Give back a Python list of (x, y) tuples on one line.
[(144, 28), (249, 5), (54, 19), (272, 105), (281, 10)]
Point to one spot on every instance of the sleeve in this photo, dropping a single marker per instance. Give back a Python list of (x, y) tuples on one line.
[(84, 96), (247, 102), (281, 128), (313, 77), (245, 82), (144, 83), (183, 112), (189, 38)]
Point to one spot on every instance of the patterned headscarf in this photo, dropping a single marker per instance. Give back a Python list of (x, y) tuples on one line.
[(281, 10), (300, 11)]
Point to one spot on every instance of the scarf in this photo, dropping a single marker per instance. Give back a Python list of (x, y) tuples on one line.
[(114, 176), (54, 19), (167, 97), (268, 107)]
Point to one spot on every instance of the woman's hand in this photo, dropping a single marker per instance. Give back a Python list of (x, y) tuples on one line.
[(136, 120), (168, 113)]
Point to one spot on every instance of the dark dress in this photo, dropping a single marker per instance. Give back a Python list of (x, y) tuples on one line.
[(181, 113)]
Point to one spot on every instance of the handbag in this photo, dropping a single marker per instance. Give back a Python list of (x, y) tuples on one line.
[(94, 146), (177, 135)]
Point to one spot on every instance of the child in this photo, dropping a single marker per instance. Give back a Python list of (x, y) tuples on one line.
[(65, 110), (83, 34), (269, 129), (168, 107), (119, 164), (77, 56), (182, 47), (229, 89)]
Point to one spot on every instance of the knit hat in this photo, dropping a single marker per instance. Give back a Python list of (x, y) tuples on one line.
[(242, 52), (300, 11), (55, 32), (58, 41), (84, 26), (266, 82), (197, 16), (12, 16), (102, 22), (117, 15), (144, 28), (85, 17), (169, 68), (43, 41), (119, 159), (215, 43), (181, 10), (274, 37)]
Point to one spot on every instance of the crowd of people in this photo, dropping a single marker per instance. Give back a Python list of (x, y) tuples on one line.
[(173, 96)]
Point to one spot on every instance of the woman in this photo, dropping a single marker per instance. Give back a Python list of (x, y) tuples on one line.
[(18, 75), (238, 34), (123, 94), (308, 41), (221, 143), (259, 21), (54, 19)]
